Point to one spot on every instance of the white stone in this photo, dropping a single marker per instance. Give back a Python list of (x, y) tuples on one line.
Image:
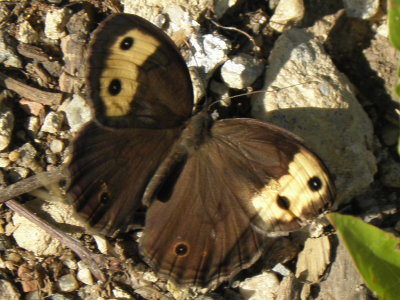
[(6, 126), (52, 122), (8, 290), (363, 9), (26, 34), (102, 244), (32, 238), (22, 172), (121, 294), (286, 14), (8, 55), (211, 52), (4, 162), (77, 112), (260, 287), (241, 71), (33, 125), (315, 101), (56, 146), (55, 23), (313, 259), (281, 269), (84, 275), (68, 283)]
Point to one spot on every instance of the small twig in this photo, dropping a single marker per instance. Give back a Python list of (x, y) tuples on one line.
[(26, 91), (235, 29), (85, 255), (32, 183), (33, 52)]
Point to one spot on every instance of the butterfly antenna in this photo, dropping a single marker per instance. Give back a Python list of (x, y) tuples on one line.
[(272, 90)]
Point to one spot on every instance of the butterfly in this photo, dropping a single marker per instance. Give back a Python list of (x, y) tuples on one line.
[(215, 191)]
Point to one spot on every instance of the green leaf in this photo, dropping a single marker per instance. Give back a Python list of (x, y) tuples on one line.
[(376, 254), (394, 30), (394, 23)]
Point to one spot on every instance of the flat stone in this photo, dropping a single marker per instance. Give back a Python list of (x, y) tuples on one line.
[(287, 13), (314, 100), (313, 259), (241, 71), (343, 280)]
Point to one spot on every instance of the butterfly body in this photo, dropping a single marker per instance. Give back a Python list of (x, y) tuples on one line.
[(215, 191)]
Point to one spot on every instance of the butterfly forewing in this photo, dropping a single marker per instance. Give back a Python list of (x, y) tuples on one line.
[(139, 115), (136, 76)]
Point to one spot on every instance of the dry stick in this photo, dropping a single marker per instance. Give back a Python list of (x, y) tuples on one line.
[(35, 182), (32, 183), (26, 91), (88, 257)]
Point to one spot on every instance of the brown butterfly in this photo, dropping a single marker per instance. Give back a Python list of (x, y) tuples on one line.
[(215, 191)]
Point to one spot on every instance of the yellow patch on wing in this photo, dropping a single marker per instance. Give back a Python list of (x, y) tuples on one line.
[(303, 202), (124, 65)]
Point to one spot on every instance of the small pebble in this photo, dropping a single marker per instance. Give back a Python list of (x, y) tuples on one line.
[(241, 71), (56, 146), (77, 112), (26, 33), (13, 156), (33, 125), (6, 125), (121, 294), (211, 51), (4, 162), (84, 275), (19, 172), (68, 283), (8, 55), (52, 122), (101, 243), (55, 23)]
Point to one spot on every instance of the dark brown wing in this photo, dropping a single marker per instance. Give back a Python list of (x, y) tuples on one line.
[(248, 180), (141, 92), (110, 170)]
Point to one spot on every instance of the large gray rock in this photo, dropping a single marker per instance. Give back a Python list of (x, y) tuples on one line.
[(314, 100)]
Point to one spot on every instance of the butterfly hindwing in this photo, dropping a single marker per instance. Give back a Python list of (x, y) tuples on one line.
[(111, 170), (225, 202)]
